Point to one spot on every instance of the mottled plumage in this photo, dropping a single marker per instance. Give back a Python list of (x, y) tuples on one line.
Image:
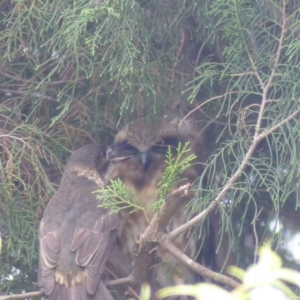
[(138, 159), (75, 235)]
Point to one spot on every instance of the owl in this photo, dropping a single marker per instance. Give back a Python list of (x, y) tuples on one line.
[(138, 159), (75, 236)]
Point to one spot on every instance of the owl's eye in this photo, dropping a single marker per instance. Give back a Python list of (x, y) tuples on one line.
[(126, 146), (120, 144), (163, 144), (123, 148)]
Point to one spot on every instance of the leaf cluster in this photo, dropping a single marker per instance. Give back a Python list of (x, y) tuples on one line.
[(175, 165), (116, 197)]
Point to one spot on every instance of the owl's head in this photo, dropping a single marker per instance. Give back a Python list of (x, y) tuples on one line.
[(140, 147)]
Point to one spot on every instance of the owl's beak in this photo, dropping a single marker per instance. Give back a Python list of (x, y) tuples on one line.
[(144, 159)]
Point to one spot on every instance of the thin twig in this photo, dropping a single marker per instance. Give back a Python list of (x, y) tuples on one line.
[(166, 243), (177, 55), (201, 49), (255, 235), (203, 103), (125, 280), (161, 219), (22, 296), (266, 132), (16, 138)]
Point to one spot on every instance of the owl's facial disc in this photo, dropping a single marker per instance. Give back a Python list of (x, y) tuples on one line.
[(122, 151)]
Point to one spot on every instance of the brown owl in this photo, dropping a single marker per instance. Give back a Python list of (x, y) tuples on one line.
[(75, 236), (138, 158)]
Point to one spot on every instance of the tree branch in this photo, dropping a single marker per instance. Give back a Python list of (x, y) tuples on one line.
[(161, 219), (255, 141), (165, 242), (126, 280), (22, 296)]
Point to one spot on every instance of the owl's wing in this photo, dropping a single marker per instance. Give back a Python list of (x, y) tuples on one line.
[(93, 246), (78, 261), (48, 258)]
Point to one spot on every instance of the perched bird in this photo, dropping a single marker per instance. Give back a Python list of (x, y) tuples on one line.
[(138, 159), (75, 235)]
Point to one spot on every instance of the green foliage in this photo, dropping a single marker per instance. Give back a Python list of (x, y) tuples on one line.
[(71, 70), (258, 140), (145, 292), (267, 276), (116, 197), (175, 166)]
